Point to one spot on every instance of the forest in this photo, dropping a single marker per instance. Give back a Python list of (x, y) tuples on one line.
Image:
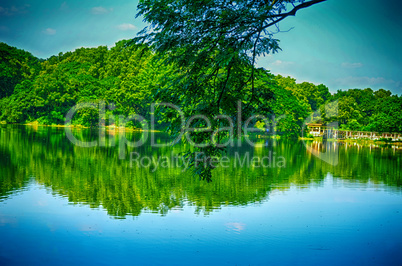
[(131, 76)]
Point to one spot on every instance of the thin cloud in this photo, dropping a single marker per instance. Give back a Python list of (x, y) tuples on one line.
[(64, 6), (100, 10), (351, 65), (281, 63), (49, 31), (126, 26), (364, 82), (13, 10)]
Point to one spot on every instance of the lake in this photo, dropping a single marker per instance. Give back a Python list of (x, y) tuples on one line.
[(65, 204)]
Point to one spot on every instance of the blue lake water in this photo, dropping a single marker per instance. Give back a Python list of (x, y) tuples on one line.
[(62, 204)]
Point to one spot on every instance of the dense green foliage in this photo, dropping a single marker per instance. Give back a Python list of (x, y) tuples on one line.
[(369, 110), (131, 76), (15, 66), (122, 75)]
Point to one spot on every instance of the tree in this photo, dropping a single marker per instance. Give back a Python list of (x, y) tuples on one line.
[(15, 65), (347, 109), (191, 30), (289, 109), (214, 45), (388, 113)]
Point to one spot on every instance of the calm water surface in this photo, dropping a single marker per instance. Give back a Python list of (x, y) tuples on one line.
[(64, 204)]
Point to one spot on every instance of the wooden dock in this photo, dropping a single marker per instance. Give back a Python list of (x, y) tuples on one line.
[(318, 130)]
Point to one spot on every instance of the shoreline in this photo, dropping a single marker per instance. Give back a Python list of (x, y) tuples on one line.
[(359, 141), (125, 129), (108, 128)]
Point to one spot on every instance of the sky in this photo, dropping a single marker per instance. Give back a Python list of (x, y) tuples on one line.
[(343, 44)]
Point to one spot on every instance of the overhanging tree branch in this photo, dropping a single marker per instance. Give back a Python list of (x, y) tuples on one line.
[(291, 13), (216, 44), (298, 7)]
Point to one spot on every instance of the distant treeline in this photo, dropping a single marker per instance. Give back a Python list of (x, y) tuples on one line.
[(128, 76)]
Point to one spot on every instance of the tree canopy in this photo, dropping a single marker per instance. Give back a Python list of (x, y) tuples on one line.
[(15, 65), (214, 45), (193, 31)]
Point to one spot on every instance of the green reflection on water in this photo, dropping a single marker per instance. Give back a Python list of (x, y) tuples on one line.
[(98, 177)]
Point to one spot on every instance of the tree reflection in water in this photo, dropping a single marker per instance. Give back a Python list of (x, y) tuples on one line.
[(97, 177)]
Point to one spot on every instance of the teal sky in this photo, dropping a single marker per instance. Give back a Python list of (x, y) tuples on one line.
[(340, 43)]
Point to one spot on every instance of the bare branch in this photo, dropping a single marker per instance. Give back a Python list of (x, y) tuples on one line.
[(298, 7)]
